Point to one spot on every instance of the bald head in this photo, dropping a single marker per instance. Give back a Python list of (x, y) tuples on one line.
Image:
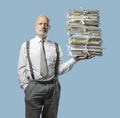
[(42, 17), (42, 26)]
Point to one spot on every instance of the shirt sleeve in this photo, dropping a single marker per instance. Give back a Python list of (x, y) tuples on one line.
[(23, 81), (64, 66)]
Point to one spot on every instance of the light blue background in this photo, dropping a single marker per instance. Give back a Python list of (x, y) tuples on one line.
[(92, 88)]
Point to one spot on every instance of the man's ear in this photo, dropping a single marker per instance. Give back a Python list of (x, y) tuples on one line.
[(49, 27)]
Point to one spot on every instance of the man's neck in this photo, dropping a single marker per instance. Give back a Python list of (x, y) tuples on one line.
[(42, 37)]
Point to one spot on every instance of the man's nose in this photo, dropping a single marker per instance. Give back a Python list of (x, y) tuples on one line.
[(43, 25)]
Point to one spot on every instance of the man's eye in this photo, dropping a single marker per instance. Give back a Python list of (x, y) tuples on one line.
[(46, 25)]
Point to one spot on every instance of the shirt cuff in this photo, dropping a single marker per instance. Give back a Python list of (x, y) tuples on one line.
[(72, 61), (24, 87)]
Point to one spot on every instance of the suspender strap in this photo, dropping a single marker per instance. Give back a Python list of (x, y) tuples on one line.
[(29, 60), (57, 60)]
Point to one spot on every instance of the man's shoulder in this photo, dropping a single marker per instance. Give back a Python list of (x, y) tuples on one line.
[(51, 42), (24, 43), (30, 40)]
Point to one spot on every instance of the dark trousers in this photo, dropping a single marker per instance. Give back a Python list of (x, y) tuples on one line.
[(42, 99)]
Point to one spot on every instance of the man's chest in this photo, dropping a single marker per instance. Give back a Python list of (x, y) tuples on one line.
[(50, 53)]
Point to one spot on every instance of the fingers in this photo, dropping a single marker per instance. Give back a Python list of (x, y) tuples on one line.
[(89, 56)]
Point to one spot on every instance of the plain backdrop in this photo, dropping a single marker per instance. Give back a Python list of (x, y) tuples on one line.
[(92, 88)]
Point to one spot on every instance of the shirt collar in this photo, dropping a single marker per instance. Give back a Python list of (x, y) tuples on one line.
[(38, 39)]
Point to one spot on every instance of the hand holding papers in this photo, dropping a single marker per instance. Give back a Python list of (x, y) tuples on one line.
[(86, 56)]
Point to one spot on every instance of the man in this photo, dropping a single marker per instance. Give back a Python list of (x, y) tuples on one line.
[(38, 70)]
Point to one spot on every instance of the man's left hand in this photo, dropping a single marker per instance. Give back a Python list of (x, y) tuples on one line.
[(87, 56)]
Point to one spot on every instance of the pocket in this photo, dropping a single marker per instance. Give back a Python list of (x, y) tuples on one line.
[(30, 87)]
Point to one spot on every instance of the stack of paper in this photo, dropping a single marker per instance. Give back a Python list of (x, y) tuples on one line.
[(84, 32)]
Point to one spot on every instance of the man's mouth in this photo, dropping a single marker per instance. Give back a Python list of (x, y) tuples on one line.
[(43, 30)]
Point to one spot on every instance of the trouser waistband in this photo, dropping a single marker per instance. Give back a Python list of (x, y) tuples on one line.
[(52, 81)]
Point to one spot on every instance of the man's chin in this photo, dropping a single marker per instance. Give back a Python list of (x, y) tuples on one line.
[(42, 35)]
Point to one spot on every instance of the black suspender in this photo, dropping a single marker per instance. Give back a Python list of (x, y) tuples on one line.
[(29, 60), (57, 60)]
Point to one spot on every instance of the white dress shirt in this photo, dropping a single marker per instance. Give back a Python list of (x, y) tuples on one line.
[(23, 67)]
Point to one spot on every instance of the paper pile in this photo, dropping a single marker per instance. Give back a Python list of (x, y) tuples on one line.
[(84, 32)]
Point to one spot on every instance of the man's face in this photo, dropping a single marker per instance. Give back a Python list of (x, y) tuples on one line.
[(42, 26)]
